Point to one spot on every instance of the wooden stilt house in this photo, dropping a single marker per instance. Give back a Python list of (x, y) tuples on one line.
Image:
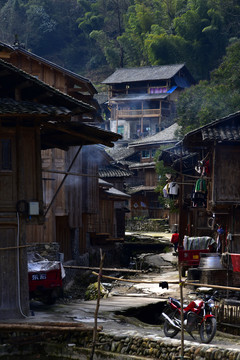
[(33, 116)]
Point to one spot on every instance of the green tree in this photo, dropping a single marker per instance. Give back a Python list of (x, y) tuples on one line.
[(102, 24), (212, 99)]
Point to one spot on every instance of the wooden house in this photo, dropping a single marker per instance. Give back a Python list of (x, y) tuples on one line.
[(33, 116), (143, 183), (70, 216), (210, 154), (54, 75), (142, 100)]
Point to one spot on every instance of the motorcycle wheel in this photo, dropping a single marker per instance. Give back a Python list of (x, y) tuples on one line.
[(168, 330), (207, 330)]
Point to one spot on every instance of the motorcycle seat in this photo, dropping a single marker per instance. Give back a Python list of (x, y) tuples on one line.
[(178, 303)]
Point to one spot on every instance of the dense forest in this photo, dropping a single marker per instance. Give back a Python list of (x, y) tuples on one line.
[(94, 37)]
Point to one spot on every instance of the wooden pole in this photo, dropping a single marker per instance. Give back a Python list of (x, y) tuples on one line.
[(182, 317), (214, 286), (132, 281), (98, 304), (63, 180), (103, 269)]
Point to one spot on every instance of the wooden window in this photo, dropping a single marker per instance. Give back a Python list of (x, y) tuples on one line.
[(154, 152), (145, 154), (120, 130), (6, 154)]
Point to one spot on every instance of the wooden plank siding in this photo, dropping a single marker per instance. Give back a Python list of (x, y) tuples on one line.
[(63, 236), (227, 165), (43, 71)]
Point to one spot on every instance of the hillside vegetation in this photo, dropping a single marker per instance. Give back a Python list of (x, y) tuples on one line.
[(94, 37)]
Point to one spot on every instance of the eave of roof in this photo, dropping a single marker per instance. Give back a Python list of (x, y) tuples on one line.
[(57, 129), (52, 95), (10, 107), (119, 153), (20, 49), (136, 189), (113, 172), (165, 136), (220, 130), (140, 97), (104, 184), (146, 73), (63, 135), (113, 192), (143, 165)]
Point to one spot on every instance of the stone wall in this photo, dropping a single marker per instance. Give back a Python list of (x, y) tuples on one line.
[(77, 345), (49, 251), (158, 225)]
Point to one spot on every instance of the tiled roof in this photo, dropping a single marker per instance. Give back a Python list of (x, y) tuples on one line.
[(136, 189), (111, 171), (35, 88), (120, 152), (164, 136), (142, 165), (178, 156), (224, 129), (104, 184), (221, 133), (117, 193), (22, 50), (57, 128), (12, 107), (65, 134), (126, 75)]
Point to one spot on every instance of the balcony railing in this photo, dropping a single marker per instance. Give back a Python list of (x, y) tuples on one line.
[(138, 113)]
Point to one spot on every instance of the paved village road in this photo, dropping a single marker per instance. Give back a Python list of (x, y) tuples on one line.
[(130, 296), (125, 296)]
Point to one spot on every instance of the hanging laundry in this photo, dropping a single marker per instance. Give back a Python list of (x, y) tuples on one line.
[(206, 168), (235, 262), (173, 189), (201, 186), (166, 191)]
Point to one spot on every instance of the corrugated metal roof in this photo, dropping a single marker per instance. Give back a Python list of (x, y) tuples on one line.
[(126, 75)]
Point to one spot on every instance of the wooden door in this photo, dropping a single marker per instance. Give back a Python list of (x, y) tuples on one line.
[(63, 236)]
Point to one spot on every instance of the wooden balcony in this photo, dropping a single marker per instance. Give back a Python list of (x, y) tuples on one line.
[(138, 113)]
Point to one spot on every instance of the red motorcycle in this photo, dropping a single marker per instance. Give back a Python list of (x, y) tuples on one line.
[(197, 316)]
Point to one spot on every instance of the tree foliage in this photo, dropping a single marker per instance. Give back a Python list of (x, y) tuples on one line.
[(212, 99), (85, 35)]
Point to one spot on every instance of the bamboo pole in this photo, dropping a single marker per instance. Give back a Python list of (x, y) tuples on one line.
[(133, 281), (141, 281), (103, 269), (182, 319), (214, 286), (97, 306)]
